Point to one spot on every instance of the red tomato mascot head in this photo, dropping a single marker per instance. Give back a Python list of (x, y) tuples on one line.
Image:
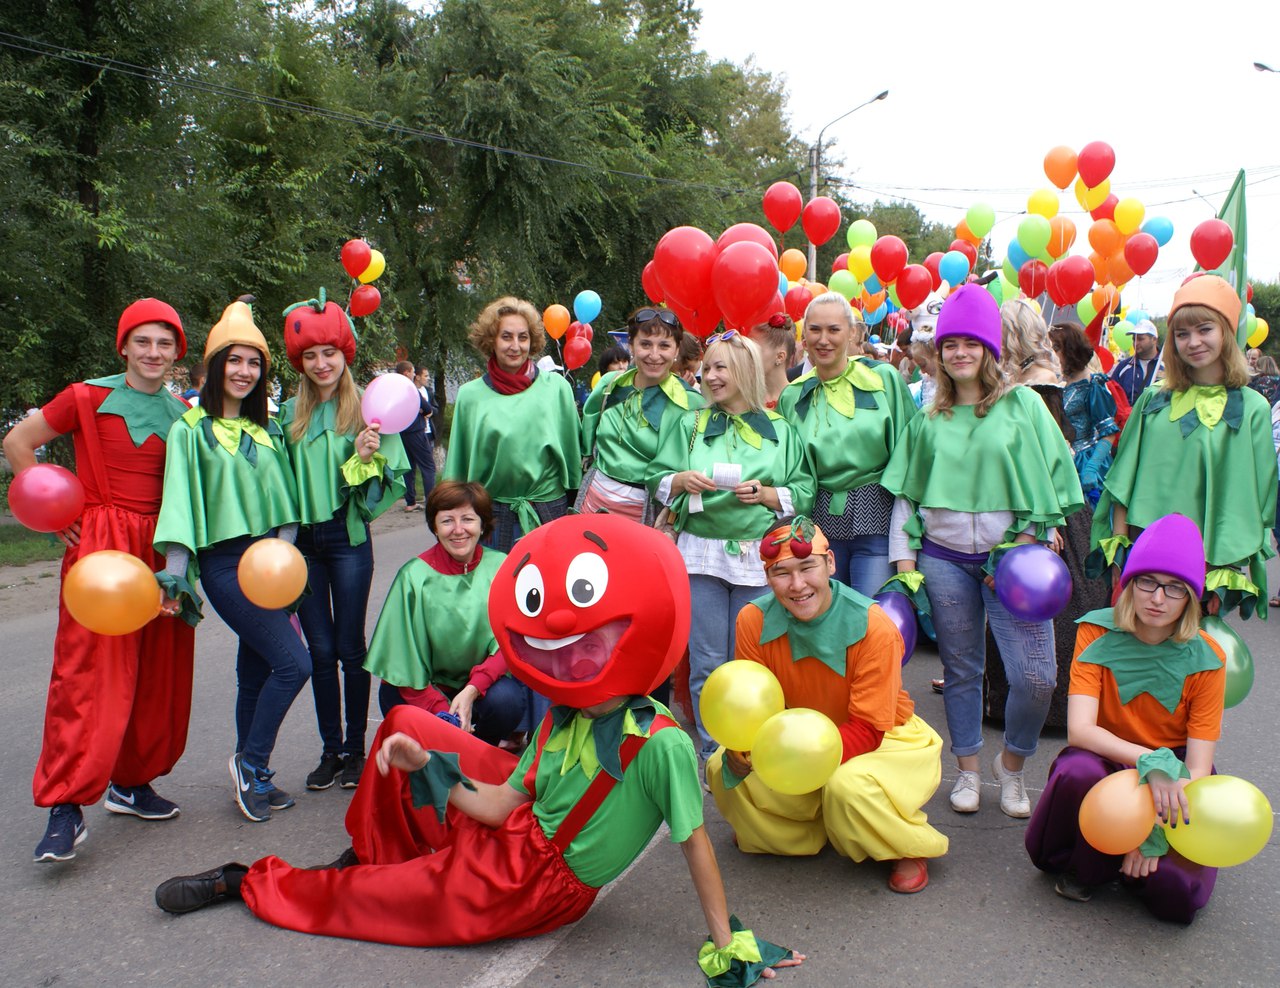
[(591, 607)]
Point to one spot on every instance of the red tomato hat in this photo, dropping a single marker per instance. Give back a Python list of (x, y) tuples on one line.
[(147, 310), (316, 322)]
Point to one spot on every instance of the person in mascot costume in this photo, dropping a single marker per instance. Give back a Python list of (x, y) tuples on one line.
[(456, 842)]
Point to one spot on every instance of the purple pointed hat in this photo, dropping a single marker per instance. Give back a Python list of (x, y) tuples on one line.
[(1172, 545), (970, 311)]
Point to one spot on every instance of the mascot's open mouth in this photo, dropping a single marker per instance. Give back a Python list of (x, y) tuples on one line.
[(575, 659)]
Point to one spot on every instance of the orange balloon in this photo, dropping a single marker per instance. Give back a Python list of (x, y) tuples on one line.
[(816, 288), (1060, 166), (272, 573), (1117, 814), (1105, 299), (1099, 267), (111, 592), (1119, 271), (1105, 237), (964, 233), (1062, 234), (793, 264), (555, 318)]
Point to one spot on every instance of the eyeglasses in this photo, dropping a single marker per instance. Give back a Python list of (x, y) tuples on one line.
[(664, 316), (1174, 591), (724, 337)]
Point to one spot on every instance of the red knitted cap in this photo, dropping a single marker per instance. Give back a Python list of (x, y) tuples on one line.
[(147, 310)]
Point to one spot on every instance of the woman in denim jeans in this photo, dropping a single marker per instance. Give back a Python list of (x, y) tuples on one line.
[(347, 474), (984, 465)]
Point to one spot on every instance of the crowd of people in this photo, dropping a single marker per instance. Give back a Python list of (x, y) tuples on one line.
[(798, 476)]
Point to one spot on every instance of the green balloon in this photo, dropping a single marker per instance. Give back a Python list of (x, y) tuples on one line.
[(862, 233), (1011, 288), (981, 218), (1250, 324), (1086, 311), (844, 283), (1010, 272), (1239, 659), (893, 294), (1120, 332), (1034, 233)]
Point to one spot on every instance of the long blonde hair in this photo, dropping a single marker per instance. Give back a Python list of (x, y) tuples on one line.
[(347, 420), (742, 357), (1234, 365), (1126, 614), (1025, 341), (991, 378)]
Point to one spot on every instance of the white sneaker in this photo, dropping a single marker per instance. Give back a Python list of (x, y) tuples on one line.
[(1013, 790), (964, 794)]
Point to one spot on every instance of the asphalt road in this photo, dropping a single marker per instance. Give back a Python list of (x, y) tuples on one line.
[(988, 917)]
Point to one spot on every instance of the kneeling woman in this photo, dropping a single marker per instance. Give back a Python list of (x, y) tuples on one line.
[(1147, 690), (433, 647)]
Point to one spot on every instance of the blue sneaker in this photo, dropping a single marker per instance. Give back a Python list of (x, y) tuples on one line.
[(139, 801), (64, 834), (251, 789), (279, 799)]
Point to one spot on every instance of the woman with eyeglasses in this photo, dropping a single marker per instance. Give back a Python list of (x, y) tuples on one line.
[(850, 413), (1147, 689), (515, 429), (1198, 444), (623, 416), (727, 472)]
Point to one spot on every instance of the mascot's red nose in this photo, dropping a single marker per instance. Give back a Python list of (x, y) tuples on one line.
[(561, 622)]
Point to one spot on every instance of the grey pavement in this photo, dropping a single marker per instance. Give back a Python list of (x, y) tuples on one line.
[(988, 917)]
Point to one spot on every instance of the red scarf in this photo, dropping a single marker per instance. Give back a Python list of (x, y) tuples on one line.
[(506, 383), (439, 560)]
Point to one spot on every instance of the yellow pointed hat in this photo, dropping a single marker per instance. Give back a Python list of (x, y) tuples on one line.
[(236, 327)]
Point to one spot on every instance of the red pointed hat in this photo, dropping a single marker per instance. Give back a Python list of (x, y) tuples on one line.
[(147, 310), (316, 322)]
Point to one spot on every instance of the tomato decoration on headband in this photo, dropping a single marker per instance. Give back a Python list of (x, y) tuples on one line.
[(800, 538), (591, 607)]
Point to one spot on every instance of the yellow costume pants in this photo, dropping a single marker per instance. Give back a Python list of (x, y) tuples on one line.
[(870, 808)]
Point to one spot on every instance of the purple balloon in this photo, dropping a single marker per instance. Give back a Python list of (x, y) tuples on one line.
[(1033, 583), (901, 612), (391, 401)]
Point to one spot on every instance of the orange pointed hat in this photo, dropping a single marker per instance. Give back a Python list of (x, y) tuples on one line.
[(236, 327)]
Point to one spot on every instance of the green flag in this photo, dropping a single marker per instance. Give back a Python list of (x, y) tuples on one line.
[(1235, 268)]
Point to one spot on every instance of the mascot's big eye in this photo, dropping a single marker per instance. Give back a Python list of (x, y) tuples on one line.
[(529, 592), (586, 579)]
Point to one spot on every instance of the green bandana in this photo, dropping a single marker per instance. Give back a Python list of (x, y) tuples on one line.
[(752, 427), (239, 435), (1200, 404), (595, 743), (1159, 670), (825, 638), (651, 401), (144, 415), (844, 393)]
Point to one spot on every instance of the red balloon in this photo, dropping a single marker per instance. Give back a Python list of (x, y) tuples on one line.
[(586, 333), (747, 231), (1248, 291), (701, 322), (1140, 252), (931, 265), (649, 280), (1094, 163), (1211, 242), (968, 250), (364, 300), (576, 353), (797, 301), (782, 204), (355, 257), (1033, 278), (914, 285), (820, 219), (46, 498), (888, 258), (683, 260), (1106, 210), (771, 308), (1072, 277), (841, 263), (743, 278), (573, 332), (1105, 357)]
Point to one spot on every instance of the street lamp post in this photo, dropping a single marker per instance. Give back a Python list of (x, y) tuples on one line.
[(815, 164)]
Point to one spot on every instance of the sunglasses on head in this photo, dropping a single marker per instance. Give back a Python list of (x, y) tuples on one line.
[(664, 316), (724, 337)]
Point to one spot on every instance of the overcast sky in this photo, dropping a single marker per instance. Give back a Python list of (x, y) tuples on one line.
[(979, 93)]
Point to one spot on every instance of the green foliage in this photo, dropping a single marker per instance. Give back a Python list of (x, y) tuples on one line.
[(19, 546), (1266, 305)]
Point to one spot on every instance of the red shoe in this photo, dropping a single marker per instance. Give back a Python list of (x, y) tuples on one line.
[(909, 875)]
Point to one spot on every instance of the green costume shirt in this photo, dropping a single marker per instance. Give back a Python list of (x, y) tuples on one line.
[(523, 448), (764, 444), (1223, 478), (850, 424), (621, 424), (1013, 459), (434, 627), (660, 784), (223, 479), (330, 477)]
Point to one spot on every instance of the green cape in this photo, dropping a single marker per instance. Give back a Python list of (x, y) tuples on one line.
[(620, 425), (144, 415), (828, 636)]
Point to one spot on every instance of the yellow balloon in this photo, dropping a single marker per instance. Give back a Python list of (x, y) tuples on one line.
[(111, 592), (272, 573), (1092, 198), (1043, 202), (1230, 822), (860, 263), (796, 751), (1259, 333), (377, 264), (1129, 214), (736, 699)]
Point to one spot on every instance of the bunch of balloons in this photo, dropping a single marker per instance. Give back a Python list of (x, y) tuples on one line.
[(576, 332), (792, 751), (365, 265)]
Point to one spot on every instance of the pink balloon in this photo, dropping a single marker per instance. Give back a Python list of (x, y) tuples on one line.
[(46, 497), (391, 401)]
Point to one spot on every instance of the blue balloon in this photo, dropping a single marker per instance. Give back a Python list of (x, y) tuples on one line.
[(892, 308), (874, 317), (587, 306), (872, 285), (1160, 228), (954, 267), (783, 286), (874, 338), (1136, 316), (1017, 255)]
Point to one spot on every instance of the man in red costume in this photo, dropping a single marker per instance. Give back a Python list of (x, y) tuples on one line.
[(118, 706), (457, 842)]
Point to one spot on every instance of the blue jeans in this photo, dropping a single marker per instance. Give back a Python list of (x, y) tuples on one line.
[(494, 715), (716, 604), (863, 562), (333, 620), (272, 665), (421, 453), (958, 598)]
